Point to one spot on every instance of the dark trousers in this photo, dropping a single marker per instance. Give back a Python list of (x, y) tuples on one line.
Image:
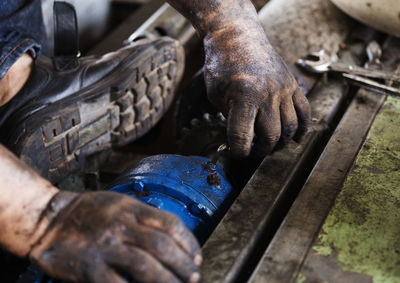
[(21, 31)]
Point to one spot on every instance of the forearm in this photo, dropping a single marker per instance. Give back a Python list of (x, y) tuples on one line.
[(211, 15), (23, 197)]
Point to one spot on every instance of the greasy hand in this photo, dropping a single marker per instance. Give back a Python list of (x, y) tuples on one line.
[(245, 77), (250, 83), (95, 237)]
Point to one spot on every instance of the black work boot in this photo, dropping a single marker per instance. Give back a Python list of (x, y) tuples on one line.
[(71, 107)]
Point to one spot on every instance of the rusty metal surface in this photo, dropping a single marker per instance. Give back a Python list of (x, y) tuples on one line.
[(365, 250), (290, 245), (284, 259), (359, 240)]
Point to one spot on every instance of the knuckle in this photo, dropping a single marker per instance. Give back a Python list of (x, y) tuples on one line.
[(239, 137), (303, 101), (287, 87), (272, 139), (291, 87), (175, 225), (239, 146)]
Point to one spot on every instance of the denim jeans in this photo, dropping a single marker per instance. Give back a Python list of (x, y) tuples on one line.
[(21, 31)]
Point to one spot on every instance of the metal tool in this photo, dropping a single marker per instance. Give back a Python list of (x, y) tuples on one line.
[(220, 149), (320, 62), (374, 54)]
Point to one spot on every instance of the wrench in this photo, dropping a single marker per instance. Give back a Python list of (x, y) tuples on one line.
[(320, 62)]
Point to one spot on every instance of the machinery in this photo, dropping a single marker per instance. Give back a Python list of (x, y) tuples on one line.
[(195, 188), (380, 14), (315, 211), (191, 187)]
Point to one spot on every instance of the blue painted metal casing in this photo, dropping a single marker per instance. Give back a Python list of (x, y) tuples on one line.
[(177, 184), (181, 185)]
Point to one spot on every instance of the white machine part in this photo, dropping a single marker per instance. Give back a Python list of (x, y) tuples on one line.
[(93, 16), (383, 15)]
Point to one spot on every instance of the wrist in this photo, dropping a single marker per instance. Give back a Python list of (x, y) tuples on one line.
[(55, 205), (234, 18), (239, 36), (235, 29), (212, 15), (24, 196), (21, 220)]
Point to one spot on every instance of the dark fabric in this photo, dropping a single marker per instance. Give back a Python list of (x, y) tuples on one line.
[(65, 30), (21, 31)]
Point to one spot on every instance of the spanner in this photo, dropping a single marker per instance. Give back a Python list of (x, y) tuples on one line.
[(320, 62)]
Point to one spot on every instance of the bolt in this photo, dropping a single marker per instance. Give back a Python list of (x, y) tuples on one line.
[(220, 149), (221, 117), (138, 186), (210, 167), (207, 117)]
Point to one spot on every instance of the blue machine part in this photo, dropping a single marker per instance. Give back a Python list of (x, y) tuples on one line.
[(191, 187)]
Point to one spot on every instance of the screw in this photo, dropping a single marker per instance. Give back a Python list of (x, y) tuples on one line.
[(210, 167), (138, 186)]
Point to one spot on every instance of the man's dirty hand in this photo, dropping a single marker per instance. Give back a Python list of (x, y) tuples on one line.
[(107, 237), (251, 84), (246, 79)]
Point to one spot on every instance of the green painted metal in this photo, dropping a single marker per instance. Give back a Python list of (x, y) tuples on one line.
[(301, 278), (362, 231)]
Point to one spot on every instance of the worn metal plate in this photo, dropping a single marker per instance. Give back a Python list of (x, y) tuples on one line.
[(290, 256), (290, 245), (359, 241)]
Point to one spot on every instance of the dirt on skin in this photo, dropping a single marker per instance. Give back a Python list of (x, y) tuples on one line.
[(245, 78)]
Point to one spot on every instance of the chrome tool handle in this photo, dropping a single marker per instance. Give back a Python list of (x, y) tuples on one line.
[(372, 85), (360, 71)]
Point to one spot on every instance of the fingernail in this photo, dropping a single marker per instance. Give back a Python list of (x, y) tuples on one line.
[(198, 260), (194, 278)]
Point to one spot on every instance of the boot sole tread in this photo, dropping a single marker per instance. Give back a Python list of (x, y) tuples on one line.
[(119, 115)]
